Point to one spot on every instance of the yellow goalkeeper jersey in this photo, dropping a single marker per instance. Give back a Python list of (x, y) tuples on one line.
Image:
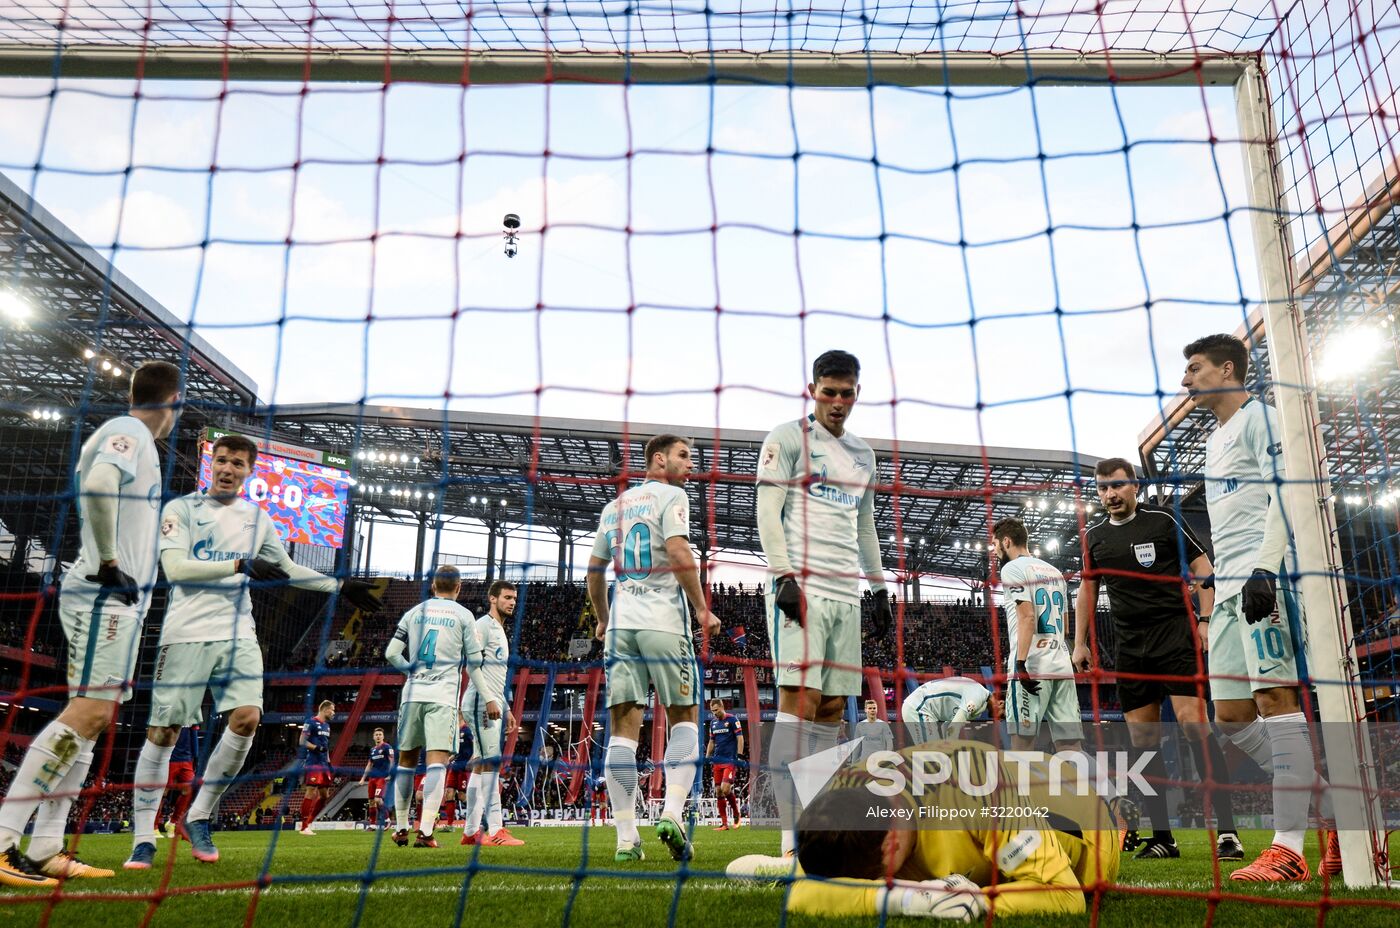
[(1036, 853)]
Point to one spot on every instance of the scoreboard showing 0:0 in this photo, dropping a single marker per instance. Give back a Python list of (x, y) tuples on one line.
[(306, 501), (258, 491)]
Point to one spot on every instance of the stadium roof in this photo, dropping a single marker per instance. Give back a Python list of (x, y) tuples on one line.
[(1350, 279), (560, 473), (70, 360), (557, 473)]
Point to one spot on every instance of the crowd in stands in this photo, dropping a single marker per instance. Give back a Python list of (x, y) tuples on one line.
[(965, 634)]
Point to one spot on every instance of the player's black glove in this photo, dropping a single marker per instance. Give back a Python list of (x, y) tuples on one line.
[(360, 595), (1259, 596), (1023, 677), (788, 597), (883, 616), (116, 583), (261, 569)]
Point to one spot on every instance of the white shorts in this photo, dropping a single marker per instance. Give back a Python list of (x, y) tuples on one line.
[(486, 734), (102, 650), (1056, 703), (1243, 657), (231, 670), (824, 654)]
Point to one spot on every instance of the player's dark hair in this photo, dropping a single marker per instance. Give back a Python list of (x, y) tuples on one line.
[(378, 731), (835, 840), (835, 363), (154, 383), (498, 587), (236, 444), (1109, 466), (661, 444), (446, 578), (1011, 529), (1219, 349)]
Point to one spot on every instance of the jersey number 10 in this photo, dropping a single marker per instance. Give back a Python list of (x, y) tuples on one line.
[(633, 562)]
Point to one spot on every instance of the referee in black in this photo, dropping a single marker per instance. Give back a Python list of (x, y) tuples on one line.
[(1138, 552)]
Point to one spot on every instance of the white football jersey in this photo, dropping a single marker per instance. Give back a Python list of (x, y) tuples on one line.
[(439, 637), (207, 530), (827, 479), (1031, 580), (126, 443), (1243, 458), (494, 664), (940, 700), (632, 534)]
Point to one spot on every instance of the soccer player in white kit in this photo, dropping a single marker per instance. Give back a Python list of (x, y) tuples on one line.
[(1256, 629), (1040, 678), (213, 543), (484, 788), (940, 708), (102, 604), (645, 535), (816, 523), (439, 637)]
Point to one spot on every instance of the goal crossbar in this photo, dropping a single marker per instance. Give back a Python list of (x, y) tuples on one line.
[(510, 66)]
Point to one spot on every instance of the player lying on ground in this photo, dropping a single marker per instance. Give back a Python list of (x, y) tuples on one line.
[(951, 854)]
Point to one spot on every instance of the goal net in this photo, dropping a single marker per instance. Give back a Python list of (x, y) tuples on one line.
[(451, 266)]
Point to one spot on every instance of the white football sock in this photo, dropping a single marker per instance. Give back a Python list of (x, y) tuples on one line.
[(620, 771), (152, 772), (682, 750), (1253, 740), (51, 820), (51, 754), (471, 818), (1295, 769), (432, 797), (222, 768), (403, 796), (788, 732), (489, 789)]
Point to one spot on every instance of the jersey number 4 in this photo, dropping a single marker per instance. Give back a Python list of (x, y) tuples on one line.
[(633, 562), (427, 652), (1050, 615)]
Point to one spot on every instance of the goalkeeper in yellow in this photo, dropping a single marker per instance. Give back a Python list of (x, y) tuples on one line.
[(904, 834)]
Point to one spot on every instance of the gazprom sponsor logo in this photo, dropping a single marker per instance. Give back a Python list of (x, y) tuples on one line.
[(203, 550), (1222, 487), (819, 488)]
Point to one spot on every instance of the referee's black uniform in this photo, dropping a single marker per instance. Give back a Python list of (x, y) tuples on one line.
[(1148, 556)]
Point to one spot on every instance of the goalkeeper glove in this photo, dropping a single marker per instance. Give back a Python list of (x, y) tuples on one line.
[(1023, 677), (884, 615), (954, 897), (261, 569), (1259, 596), (360, 595), (116, 583), (788, 598)]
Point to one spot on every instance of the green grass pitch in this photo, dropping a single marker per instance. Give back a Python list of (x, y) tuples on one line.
[(342, 878)]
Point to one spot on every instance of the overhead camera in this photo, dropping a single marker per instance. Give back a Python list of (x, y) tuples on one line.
[(511, 231)]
